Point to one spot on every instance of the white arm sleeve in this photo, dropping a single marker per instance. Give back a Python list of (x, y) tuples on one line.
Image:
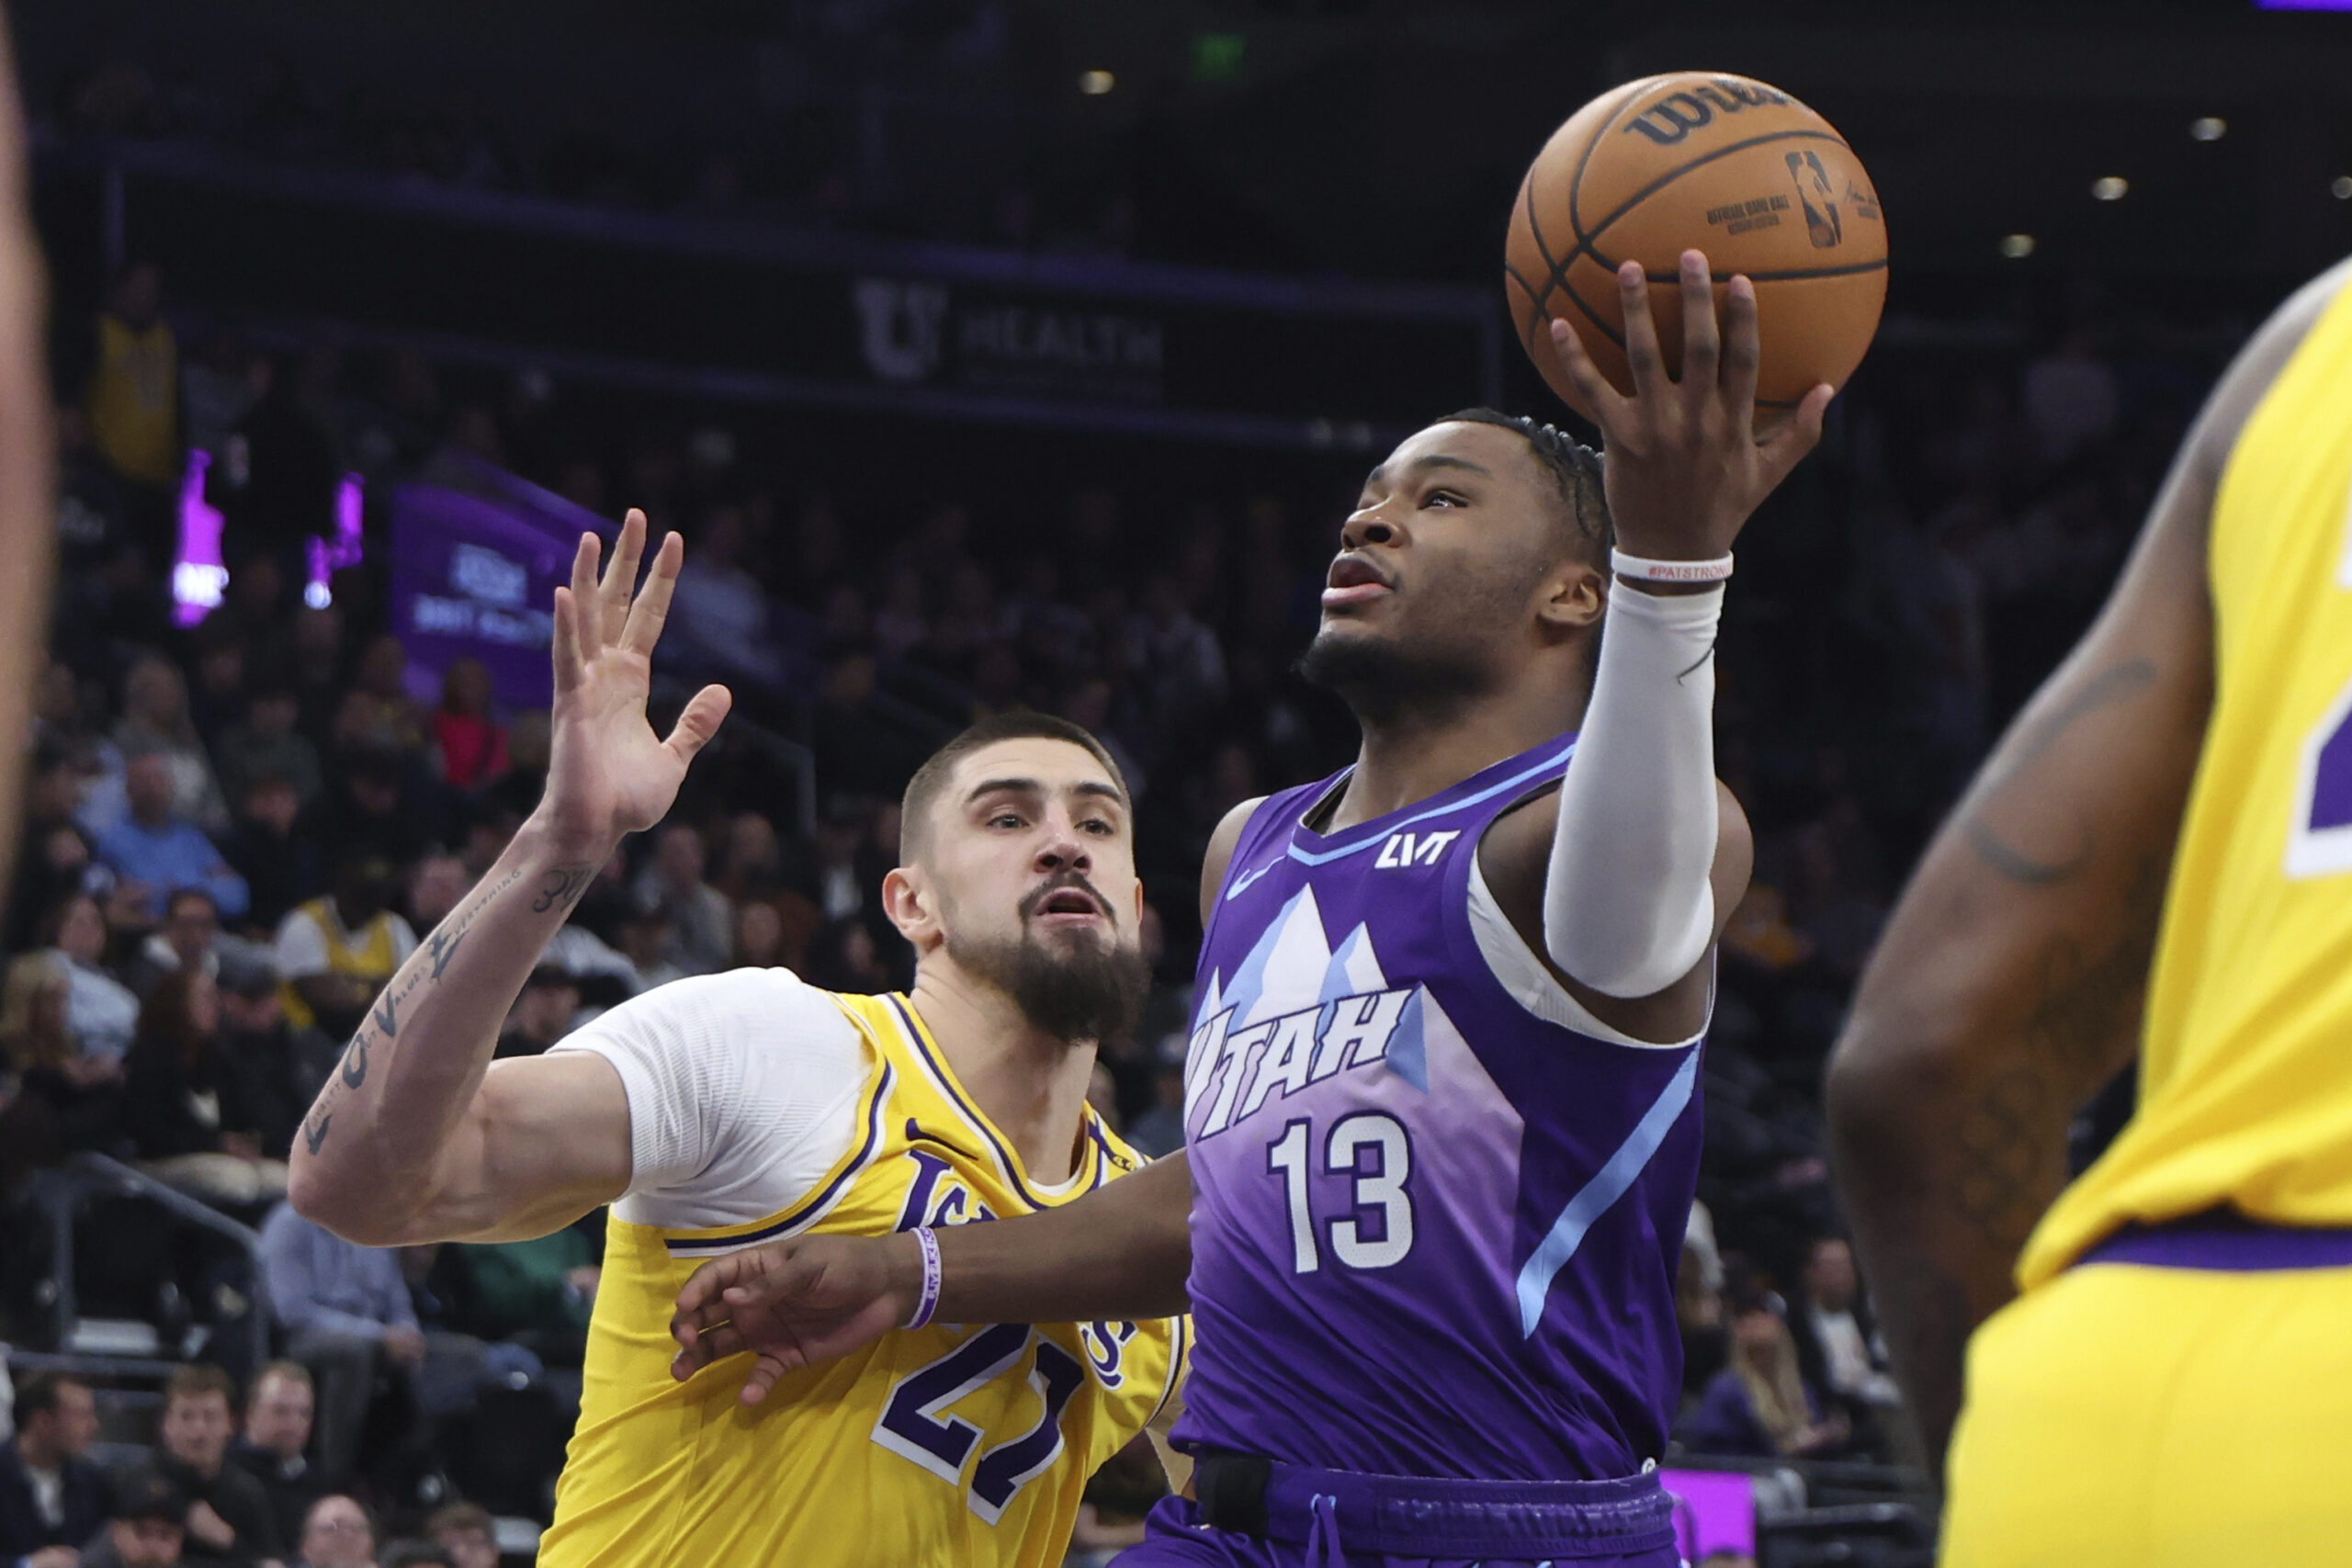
[(1628, 908), (742, 1092)]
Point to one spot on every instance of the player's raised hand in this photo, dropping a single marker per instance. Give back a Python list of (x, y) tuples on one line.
[(608, 774), (1683, 468), (791, 1303)]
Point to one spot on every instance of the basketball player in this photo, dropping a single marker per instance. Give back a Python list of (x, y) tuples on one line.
[(1443, 1127), (2172, 1383), (719, 1111)]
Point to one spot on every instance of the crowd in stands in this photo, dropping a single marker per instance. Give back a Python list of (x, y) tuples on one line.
[(236, 832)]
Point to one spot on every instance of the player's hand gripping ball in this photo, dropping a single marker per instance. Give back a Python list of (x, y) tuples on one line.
[(1707, 161)]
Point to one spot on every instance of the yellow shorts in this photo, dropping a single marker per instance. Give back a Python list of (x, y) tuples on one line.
[(2158, 1417)]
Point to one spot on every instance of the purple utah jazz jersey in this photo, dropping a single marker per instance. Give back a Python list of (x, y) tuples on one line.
[(1438, 1208)]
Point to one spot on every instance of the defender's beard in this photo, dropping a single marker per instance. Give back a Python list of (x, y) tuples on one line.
[(1092, 989)]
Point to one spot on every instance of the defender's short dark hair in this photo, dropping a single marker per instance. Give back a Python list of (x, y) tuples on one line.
[(39, 1393), (1574, 467), (196, 1380), (923, 789)]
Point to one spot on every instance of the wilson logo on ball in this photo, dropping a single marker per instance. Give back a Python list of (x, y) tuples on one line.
[(1677, 115)]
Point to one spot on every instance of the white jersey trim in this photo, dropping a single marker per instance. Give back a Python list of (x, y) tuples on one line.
[(742, 1090), (1533, 985)]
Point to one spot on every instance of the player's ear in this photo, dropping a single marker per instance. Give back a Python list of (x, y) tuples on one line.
[(1572, 597), (912, 904)]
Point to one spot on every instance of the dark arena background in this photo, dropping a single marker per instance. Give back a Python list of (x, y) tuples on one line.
[(987, 354)]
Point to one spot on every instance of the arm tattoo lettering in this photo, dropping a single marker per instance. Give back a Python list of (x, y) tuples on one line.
[(316, 1136), (2107, 688), (354, 1060), (443, 948), (562, 887), (387, 1016)]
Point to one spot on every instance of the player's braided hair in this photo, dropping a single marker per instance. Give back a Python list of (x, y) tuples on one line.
[(1574, 467)]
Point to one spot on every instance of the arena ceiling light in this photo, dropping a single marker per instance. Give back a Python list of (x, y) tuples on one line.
[(1094, 84), (2208, 127), (2109, 187), (2016, 247), (2341, 188)]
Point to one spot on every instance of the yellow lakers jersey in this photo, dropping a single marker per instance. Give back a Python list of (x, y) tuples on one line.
[(955, 1443), (2245, 1086)]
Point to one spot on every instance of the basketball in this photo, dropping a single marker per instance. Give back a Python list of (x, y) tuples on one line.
[(1701, 160)]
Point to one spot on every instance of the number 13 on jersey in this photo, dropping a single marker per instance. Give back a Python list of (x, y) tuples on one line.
[(1374, 1230)]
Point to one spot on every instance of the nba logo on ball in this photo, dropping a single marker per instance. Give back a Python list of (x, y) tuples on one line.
[(1700, 160)]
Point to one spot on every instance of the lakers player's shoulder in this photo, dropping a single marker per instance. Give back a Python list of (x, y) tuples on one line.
[(2258, 365)]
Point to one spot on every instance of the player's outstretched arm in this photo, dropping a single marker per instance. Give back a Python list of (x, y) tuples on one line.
[(2007, 987), (417, 1136), (1121, 1252), (1629, 876)]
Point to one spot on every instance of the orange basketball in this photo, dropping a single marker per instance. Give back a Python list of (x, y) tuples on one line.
[(1699, 160)]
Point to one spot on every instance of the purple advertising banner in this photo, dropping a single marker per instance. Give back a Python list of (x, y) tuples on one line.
[(474, 573), (1714, 1510)]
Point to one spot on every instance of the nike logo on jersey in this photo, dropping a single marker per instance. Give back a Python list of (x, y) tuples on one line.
[(1404, 849)]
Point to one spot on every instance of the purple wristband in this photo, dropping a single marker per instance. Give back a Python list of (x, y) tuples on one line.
[(928, 1302)]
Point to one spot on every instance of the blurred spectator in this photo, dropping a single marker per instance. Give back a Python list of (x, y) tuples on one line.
[(415, 1554), (156, 850), (2070, 399), (701, 922), (277, 1072), (466, 1532), (1161, 1129), (349, 1316), (228, 1518), (753, 863), (647, 937), (281, 864), (149, 1524), (719, 614), (436, 884), (1759, 1406), (52, 1499), (1838, 1347), (842, 957), (542, 1015), (279, 1407), (268, 745), (335, 953), (53, 855), (370, 804), (538, 1294), (761, 939), (337, 1533), (156, 721), (188, 937), (38, 1043), (216, 697), (276, 476), (188, 1111), (346, 1313), (101, 1012), (471, 744), (131, 400)]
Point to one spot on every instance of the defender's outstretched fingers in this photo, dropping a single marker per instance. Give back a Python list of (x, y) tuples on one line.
[(619, 584), (700, 720), (651, 609), (566, 641), (1700, 340), (1642, 353), (587, 624), (1742, 351), (1603, 399)]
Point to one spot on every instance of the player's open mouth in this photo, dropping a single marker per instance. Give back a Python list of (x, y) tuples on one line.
[(1066, 906), (1353, 580)]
